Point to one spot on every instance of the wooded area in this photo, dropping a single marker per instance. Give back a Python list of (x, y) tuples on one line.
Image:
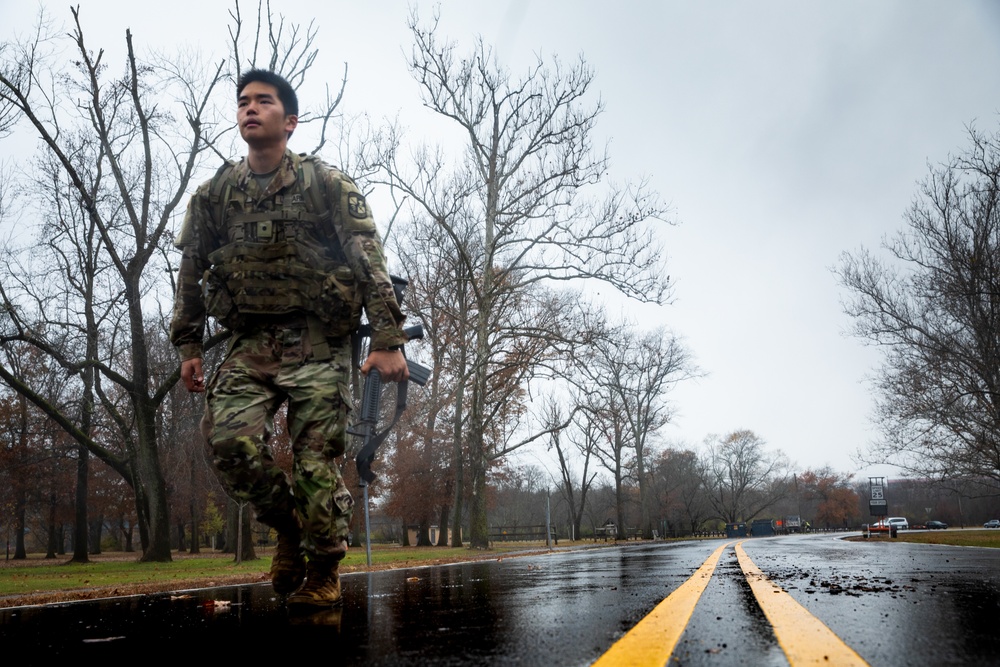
[(502, 240)]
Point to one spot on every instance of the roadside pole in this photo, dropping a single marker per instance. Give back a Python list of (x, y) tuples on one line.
[(239, 533), (368, 527), (548, 520)]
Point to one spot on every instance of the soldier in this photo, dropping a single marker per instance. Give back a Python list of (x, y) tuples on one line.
[(282, 250)]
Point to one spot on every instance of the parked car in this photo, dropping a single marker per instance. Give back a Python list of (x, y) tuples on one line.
[(936, 525), (888, 523), (992, 523)]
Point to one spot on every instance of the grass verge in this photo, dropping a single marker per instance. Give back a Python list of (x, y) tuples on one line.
[(961, 538), (37, 580)]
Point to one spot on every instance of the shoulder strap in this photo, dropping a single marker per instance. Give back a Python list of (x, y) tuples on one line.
[(221, 187), (319, 200)]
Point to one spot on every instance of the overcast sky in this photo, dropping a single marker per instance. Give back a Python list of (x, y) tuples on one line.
[(783, 133)]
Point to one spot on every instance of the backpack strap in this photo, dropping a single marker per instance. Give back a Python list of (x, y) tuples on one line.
[(320, 200), (315, 197), (219, 192)]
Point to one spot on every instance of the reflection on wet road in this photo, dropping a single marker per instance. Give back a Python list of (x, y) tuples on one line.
[(895, 603), (892, 603)]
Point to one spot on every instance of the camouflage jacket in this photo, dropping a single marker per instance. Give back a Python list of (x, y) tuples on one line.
[(202, 235)]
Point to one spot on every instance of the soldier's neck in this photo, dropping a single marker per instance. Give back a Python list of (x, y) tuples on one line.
[(265, 159)]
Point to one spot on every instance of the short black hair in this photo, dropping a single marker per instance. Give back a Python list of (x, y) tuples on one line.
[(289, 100)]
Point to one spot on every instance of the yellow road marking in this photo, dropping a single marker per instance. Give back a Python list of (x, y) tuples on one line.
[(803, 637), (652, 640)]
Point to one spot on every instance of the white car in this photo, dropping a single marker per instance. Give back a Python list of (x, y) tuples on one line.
[(897, 522)]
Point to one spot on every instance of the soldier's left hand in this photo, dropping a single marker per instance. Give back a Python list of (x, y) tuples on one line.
[(391, 365)]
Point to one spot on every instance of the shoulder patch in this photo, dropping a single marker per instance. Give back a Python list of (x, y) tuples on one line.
[(357, 207)]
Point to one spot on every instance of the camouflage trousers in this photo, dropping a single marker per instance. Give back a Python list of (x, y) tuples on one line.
[(265, 368)]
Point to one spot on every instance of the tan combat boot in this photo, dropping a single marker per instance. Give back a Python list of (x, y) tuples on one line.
[(322, 587), (288, 566)]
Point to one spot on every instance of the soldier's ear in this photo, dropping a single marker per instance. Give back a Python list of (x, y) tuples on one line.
[(291, 122)]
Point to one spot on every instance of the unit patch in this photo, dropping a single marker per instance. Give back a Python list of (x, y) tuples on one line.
[(357, 206)]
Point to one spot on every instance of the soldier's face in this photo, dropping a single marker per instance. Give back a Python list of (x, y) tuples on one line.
[(261, 116)]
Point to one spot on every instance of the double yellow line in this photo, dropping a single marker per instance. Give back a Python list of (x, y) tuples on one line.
[(803, 637)]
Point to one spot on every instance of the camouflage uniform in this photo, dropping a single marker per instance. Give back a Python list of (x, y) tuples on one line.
[(280, 352)]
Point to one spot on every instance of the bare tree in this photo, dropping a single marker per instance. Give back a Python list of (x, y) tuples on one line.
[(631, 374), (119, 155), (528, 181), (742, 478), (579, 437), (438, 299), (932, 304), (124, 167), (605, 427), (32, 455), (678, 490)]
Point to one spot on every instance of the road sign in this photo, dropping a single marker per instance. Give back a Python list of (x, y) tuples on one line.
[(877, 506)]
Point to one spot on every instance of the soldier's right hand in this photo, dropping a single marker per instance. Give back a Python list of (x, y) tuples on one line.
[(193, 375)]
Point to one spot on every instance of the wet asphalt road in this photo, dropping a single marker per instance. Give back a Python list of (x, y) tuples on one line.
[(893, 603)]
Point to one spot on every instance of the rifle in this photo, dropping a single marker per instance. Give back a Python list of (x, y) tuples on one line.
[(366, 427)]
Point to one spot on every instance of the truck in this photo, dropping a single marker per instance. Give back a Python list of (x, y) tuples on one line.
[(793, 523)]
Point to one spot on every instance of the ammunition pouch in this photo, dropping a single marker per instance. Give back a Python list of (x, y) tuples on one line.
[(340, 304), (218, 301), (283, 278)]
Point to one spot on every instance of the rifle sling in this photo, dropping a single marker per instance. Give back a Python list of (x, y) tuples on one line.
[(366, 456)]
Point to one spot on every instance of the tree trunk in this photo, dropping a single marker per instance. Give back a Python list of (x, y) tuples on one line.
[(478, 462), (82, 545), (443, 527), (619, 502), (126, 532), (19, 526), (478, 524), (80, 529), (95, 534), (247, 547), (238, 536), (457, 457), (424, 532), (195, 527), (157, 548), (141, 505), (51, 547), (229, 527)]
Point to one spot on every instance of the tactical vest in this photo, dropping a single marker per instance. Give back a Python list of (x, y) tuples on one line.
[(283, 261)]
